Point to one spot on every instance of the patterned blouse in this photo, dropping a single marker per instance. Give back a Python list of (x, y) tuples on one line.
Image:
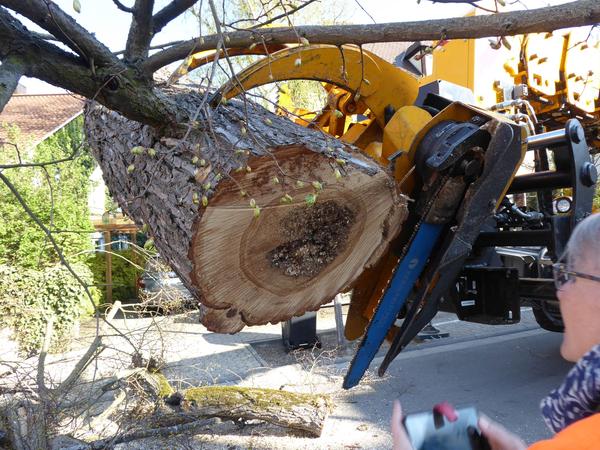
[(578, 396)]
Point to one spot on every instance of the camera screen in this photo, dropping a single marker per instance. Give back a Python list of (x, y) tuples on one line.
[(426, 434)]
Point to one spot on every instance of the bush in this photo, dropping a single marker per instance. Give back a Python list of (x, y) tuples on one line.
[(29, 298), (124, 273)]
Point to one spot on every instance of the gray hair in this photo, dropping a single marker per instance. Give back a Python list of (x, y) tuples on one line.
[(584, 243)]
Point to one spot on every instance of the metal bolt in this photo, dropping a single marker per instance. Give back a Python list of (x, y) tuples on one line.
[(589, 174), (576, 134)]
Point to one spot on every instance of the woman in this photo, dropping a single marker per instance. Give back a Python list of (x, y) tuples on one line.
[(573, 409)]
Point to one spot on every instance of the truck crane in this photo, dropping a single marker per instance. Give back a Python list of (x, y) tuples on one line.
[(456, 138)]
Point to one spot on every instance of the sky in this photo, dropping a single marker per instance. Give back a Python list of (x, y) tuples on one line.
[(110, 25)]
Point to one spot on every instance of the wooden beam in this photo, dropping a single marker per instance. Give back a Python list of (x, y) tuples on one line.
[(108, 262)]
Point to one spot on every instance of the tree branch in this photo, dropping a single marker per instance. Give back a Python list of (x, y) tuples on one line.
[(94, 350), (140, 32), (122, 7), (115, 87), (11, 71), (49, 16), (170, 12), (574, 14)]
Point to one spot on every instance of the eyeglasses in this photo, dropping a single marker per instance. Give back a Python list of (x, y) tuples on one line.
[(562, 276)]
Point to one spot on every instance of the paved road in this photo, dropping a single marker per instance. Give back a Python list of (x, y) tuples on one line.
[(504, 376), (504, 371)]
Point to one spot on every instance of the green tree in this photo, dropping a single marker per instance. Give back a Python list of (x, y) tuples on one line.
[(57, 194)]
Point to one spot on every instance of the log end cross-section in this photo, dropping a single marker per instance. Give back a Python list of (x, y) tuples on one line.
[(295, 256)]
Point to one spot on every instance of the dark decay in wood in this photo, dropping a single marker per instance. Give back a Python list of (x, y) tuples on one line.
[(316, 235)]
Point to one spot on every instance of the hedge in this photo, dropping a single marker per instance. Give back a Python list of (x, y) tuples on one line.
[(124, 273), (29, 298)]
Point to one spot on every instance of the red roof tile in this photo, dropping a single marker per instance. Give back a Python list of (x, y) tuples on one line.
[(388, 50), (38, 116)]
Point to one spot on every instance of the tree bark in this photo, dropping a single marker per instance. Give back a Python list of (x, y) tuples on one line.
[(303, 412), (298, 411), (249, 270), (25, 420)]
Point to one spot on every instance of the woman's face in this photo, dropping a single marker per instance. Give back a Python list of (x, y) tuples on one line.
[(580, 307)]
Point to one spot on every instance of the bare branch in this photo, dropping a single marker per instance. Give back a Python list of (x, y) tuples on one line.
[(284, 14), (109, 85), (11, 71), (574, 14), (140, 32), (49, 16), (42, 389), (152, 432), (122, 7), (94, 350), (170, 12)]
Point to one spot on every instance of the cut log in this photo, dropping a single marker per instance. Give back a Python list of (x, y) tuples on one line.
[(295, 255), (302, 412), (262, 219), (297, 411)]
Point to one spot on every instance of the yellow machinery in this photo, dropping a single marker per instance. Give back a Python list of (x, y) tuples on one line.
[(458, 162)]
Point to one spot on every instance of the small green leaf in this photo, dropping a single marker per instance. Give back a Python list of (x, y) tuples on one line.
[(256, 211), (130, 168), (317, 185), (286, 199), (252, 203), (310, 199), (204, 201), (77, 6)]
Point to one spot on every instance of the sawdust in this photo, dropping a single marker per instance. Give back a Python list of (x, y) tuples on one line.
[(314, 235)]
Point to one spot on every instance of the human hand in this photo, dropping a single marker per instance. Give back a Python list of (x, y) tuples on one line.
[(499, 437), (399, 436)]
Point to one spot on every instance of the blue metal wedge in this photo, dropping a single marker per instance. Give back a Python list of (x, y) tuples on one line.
[(408, 271)]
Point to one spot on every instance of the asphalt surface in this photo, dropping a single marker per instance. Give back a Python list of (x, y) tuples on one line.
[(504, 371)]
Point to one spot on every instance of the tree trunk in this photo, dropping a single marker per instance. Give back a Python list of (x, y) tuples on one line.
[(261, 219), (25, 422), (304, 412)]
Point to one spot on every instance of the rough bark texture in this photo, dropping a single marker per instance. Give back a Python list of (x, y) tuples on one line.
[(25, 420), (304, 412), (163, 187)]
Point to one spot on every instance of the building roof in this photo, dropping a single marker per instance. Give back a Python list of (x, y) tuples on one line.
[(39, 116), (388, 50)]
